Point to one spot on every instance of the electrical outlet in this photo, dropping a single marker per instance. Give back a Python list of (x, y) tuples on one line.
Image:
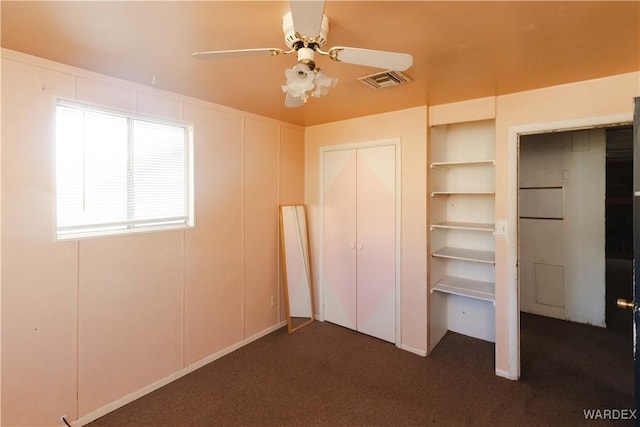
[(274, 300)]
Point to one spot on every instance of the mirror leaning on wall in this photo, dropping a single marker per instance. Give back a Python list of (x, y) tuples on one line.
[(296, 267)]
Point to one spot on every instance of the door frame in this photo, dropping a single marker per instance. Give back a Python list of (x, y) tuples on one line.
[(512, 237), (396, 143)]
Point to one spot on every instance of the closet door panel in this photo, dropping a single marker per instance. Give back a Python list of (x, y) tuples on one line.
[(376, 242), (340, 237)]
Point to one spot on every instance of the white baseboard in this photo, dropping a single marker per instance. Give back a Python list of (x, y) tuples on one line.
[(422, 353), (92, 416), (505, 374)]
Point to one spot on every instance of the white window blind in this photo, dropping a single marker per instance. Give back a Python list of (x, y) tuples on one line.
[(118, 173)]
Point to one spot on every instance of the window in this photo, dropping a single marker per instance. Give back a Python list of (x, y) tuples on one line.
[(118, 173)]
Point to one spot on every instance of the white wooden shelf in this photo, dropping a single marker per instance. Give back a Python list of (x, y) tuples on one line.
[(472, 226), (465, 287), (461, 211), (473, 255), (462, 193), (447, 165)]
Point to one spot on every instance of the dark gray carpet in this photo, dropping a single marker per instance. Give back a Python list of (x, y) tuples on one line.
[(325, 375)]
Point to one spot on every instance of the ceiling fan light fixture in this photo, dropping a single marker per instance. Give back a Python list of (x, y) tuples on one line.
[(299, 81), (322, 84), (302, 81)]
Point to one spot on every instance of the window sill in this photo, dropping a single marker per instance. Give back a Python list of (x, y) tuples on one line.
[(121, 232)]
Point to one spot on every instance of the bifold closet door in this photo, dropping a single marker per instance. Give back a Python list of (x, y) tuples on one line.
[(340, 237), (359, 239), (376, 239)]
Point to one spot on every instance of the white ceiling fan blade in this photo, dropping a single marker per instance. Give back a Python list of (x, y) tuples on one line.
[(220, 54), (307, 17), (293, 101), (372, 58)]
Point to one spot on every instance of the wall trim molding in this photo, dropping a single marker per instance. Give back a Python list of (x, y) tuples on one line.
[(419, 352), (505, 374), (92, 416)]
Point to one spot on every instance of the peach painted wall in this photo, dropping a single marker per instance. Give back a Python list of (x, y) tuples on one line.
[(88, 324), (410, 126), (0, 243), (39, 277)]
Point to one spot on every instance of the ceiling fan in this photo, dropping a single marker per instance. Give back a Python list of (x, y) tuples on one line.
[(305, 30)]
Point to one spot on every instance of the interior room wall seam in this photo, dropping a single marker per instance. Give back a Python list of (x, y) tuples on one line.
[(76, 365), (76, 327), (427, 206), (183, 294), (278, 248), (243, 224)]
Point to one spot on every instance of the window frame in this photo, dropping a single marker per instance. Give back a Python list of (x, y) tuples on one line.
[(130, 225)]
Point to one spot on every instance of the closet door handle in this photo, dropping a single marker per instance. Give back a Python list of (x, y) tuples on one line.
[(352, 245), (360, 246)]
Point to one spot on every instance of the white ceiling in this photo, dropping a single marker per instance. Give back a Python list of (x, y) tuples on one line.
[(461, 50)]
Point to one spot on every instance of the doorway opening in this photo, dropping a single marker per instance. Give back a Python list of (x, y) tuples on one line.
[(562, 225), (575, 216)]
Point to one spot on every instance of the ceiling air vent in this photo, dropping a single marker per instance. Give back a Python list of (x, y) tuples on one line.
[(385, 79)]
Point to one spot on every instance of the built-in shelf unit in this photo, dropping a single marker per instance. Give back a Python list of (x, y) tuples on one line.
[(462, 225)]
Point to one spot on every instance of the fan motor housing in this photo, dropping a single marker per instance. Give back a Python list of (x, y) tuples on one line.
[(291, 38), (306, 56)]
